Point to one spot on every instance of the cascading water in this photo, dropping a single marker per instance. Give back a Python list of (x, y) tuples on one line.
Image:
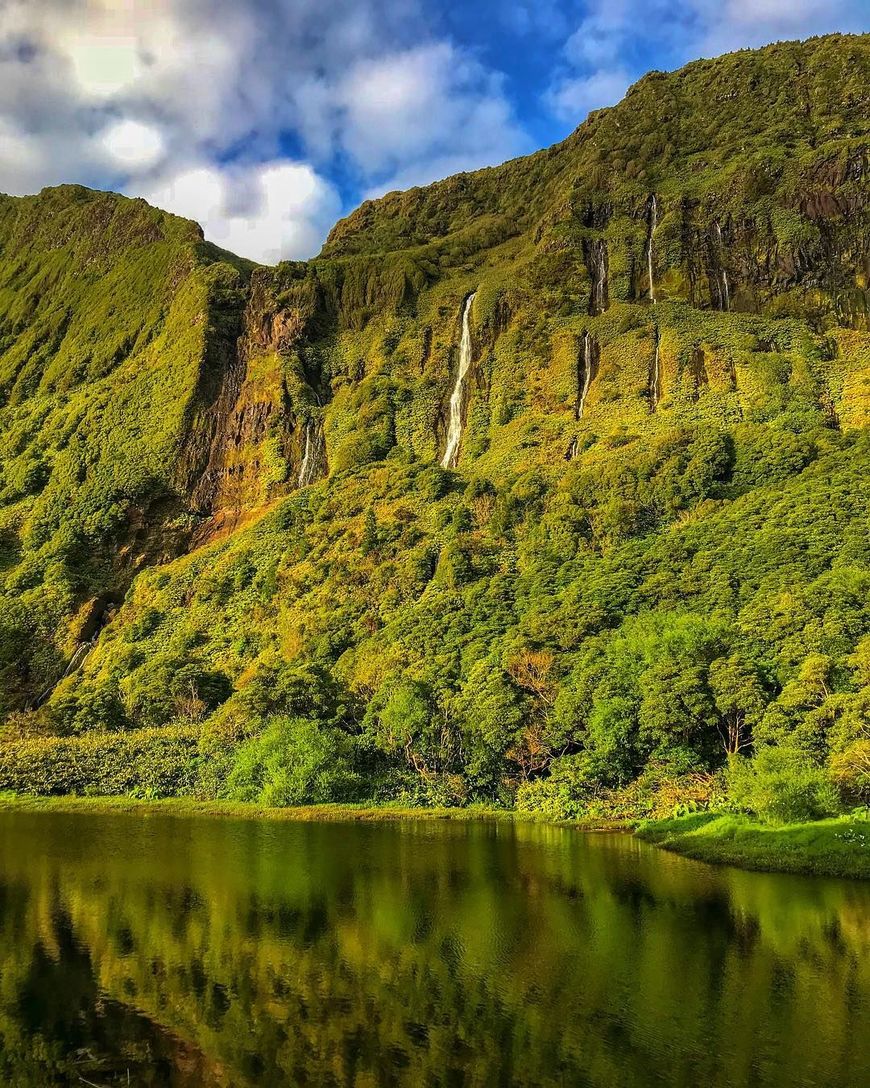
[(587, 368), (454, 430), (597, 265), (726, 300), (314, 456), (655, 381), (587, 374), (653, 223), (305, 467), (601, 285)]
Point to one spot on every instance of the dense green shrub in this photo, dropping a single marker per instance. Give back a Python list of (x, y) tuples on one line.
[(145, 762), (295, 761), (565, 793), (781, 785)]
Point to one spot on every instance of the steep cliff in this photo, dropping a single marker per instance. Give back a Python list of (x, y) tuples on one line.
[(658, 454)]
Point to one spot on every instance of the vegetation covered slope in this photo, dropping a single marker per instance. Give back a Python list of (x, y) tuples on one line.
[(652, 555), (109, 324)]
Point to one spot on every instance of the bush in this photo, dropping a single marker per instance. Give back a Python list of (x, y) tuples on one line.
[(294, 761), (147, 762), (781, 785), (565, 793)]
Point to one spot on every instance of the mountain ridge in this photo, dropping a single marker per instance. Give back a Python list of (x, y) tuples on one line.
[(668, 335)]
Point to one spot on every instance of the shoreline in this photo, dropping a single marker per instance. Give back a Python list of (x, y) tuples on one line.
[(838, 847), (327, 813)]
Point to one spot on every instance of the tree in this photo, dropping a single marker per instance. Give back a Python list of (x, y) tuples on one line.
[(370, 538), (493, 714), (677, 716), (739, 699), (405, 720), (533, 672)]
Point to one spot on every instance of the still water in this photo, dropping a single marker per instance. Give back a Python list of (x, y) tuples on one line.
[(176, 951)]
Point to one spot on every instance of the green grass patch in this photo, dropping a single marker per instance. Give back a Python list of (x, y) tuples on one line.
[(186, 806), (835, 847)]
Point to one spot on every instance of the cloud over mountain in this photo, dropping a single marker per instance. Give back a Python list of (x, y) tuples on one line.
[(286, 111)]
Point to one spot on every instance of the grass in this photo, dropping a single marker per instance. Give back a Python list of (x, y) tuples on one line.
[(242, 809), (836, 847), (187, 806)]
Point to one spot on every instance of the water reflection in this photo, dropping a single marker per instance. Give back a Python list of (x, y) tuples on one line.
[(211, 952)]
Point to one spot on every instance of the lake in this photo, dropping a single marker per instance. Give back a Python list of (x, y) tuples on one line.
[(174, 950)]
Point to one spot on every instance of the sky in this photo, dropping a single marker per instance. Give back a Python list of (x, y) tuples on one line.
[(266, 120)]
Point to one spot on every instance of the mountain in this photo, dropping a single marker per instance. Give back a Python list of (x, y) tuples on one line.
[(232, 562)]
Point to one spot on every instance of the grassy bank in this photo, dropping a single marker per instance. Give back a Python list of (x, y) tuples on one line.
[(836, 847), (185, 806)]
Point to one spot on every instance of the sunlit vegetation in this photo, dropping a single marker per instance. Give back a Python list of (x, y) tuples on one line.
[(663, 604), (832, 847)]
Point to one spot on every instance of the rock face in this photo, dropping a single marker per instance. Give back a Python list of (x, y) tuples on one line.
[(255, 413), (697, 255)]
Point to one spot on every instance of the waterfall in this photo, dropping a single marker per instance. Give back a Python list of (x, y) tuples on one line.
[(304, 469), (81, 652), (655, 383), (601, 285), (314, 456), (454, 430), (726, 300), (596, 262), (649, 246), (588, 368)]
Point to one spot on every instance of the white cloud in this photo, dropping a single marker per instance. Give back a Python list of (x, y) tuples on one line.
[(102, 68), (736, 24), (133, 144), (267, 212), (403, 117), (142, 95), (573, 99)]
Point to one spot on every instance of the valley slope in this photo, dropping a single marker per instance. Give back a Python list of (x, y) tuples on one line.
[(232, 565)]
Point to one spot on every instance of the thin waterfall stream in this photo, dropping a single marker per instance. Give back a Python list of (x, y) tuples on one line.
[(313, 466), (454, 430), (587, 374), (656, 382), (653, 222), (304, 470), (726, 300)]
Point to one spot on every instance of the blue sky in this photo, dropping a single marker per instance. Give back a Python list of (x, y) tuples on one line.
[(267, 119)]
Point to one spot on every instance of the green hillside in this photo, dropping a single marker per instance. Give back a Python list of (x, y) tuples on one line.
[(231, 564)]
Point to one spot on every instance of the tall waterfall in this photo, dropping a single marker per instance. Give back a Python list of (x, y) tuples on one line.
[(653, 223), (656, 379), (597, 264), (305, 467), (726, 300), (588, 365), (454, 430), (314, 455)]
